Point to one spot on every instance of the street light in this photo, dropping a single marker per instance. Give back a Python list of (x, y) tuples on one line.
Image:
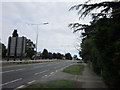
[(44, 23)]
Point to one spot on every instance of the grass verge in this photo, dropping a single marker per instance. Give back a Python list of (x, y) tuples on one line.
[(18, 63), (74, 69), (33, 62), (55, 84)]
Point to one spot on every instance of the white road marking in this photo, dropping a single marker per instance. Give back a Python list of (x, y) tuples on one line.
[(51, 72), (45, 75), (31, 82), (13, 70), (11, 82), (7, 71), (20, 86), (49, 75), (40, 72), (20, 69)]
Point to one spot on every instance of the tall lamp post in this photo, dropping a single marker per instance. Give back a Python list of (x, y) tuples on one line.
[(45, 23)]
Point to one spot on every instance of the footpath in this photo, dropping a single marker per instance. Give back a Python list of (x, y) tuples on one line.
[(88, 79)]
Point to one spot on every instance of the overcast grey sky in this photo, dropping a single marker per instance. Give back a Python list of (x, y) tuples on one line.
[(56, 36)]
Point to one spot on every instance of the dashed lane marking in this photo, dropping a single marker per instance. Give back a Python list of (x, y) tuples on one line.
[(11, 81), (13, 70), (40, 72), (7, 71), (31, 82), (45, 75), (51, 72), (20, 87), (20, 69)]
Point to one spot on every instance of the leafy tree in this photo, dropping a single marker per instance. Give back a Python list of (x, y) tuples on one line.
[(45, 54), (75, 57), (30, 48), (110, 9), (15, 34), (101, 39), (54, 55), (68, 56), (59, 56), (50, 55)]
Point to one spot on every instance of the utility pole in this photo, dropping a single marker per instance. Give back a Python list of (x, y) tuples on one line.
[(45, 23)]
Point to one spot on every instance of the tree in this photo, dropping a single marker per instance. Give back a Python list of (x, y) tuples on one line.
[(45, 54), (75, 57), (110, 9), (50, 55), (59, 56), (68, 56), (101, 39), (54, 55), (15, 34), (30, 46)]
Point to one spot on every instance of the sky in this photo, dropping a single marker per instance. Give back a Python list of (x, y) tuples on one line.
[(56, 36)]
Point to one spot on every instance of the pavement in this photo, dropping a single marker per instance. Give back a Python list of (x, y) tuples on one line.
[(88, 79)]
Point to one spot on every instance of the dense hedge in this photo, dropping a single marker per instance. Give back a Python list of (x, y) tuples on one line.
[(101, 41)]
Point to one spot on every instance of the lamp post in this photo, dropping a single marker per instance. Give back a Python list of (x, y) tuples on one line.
[(45, 23)]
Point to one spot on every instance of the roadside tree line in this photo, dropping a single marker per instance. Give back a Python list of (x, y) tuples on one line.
[(101, 39), (31, 53), (49, 55)]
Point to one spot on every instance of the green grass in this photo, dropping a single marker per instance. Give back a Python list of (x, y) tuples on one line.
[(55, 84), (18, 63), (74, 69)]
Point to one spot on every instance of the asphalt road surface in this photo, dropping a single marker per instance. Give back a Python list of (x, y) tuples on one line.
[(15, 76)]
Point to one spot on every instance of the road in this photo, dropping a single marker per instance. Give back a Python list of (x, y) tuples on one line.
[(15, 76)]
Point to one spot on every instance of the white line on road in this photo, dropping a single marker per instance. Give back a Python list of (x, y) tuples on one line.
[(51, 72), (20, 69), (31, 82), (13, 70), (20, 87), (45, 75), (11, 82), (40, 72), (7, 71)]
